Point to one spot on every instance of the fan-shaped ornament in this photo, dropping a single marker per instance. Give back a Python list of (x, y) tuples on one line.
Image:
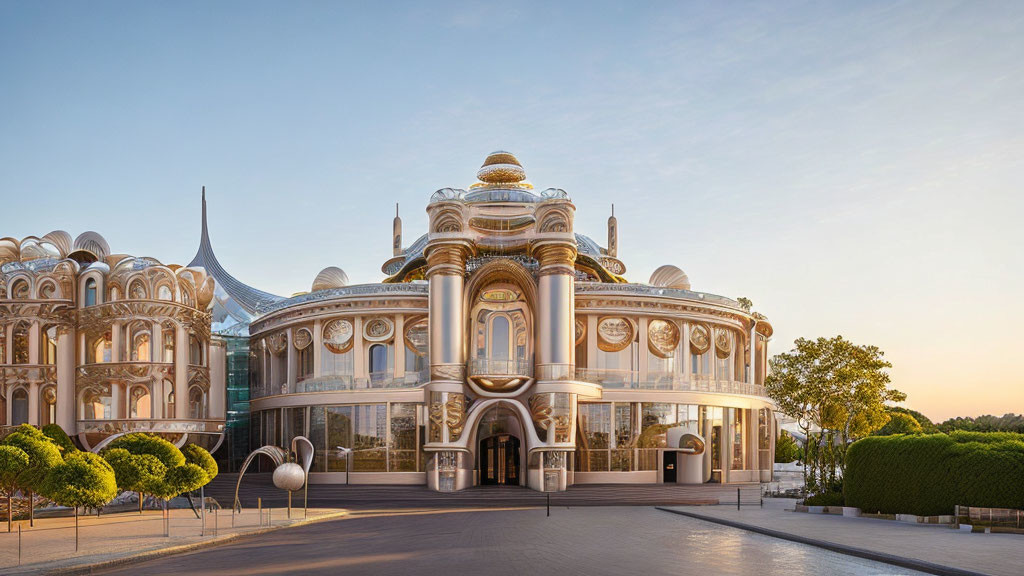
[(330, 277), (669, 276)]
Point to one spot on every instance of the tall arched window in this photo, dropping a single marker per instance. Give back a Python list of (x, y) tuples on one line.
[(19, 407), (48, 349), (48, 406), (96, 406), (195, 352), (139, 403), (137, 339), (169, 410), (90, 292), (196, 403), (379, 359), (498, 338), (100, 349), (164, 292), (168, 344), (137, 290), (20, 343)]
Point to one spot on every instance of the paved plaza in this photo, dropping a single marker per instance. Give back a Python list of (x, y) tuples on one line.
[(584, 541)]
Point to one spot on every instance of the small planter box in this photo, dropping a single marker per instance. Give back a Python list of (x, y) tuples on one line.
[(851, 512)]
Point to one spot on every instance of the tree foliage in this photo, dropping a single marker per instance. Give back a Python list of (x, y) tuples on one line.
[(200, 457), (83, 479), (899, 423), (838, 392), (141, 443), (43, 456), (57, 435), (135, 472), (786, 449), (987, 423), (13, 462)]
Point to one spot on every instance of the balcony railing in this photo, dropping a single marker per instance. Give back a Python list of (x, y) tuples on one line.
[(630, 380), (492, 367), (207, 426), (375, 381)]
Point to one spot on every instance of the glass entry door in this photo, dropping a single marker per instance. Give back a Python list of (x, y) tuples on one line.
[(499, 460)]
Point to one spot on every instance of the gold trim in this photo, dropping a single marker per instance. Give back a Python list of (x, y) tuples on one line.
[(662, 337), (622, 343)]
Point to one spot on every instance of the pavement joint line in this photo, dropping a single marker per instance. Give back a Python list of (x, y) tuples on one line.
[(900, 561), (182, 548)]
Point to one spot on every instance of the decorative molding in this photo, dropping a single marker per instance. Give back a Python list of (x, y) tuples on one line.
[(662, 337), (378, 329), (614, 334)]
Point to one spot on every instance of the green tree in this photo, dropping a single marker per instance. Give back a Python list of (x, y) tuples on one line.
[(57, 435), (140, 473), (786, 448), (13, 461), (43, 456), (200, 457), (899, 423), (83, 479), (745, 303), (838, 392), (179, 475)]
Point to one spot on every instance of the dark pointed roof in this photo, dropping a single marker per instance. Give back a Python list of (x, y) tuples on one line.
[(248, 298)]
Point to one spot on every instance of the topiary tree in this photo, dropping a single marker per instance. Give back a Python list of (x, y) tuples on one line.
[(13, 462), (179, 475), (83, 479), (141, 443), (135, 472), (43, 456), (57, 435), (200, 457)]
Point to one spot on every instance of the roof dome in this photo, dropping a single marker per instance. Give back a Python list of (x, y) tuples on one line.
[(94, 243), (330, 277), (669, 276), (501, 168)]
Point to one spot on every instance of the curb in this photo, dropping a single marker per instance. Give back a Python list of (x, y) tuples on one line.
[(181, 548), (902, 562)]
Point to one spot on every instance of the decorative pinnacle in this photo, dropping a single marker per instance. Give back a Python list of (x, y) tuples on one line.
[(501, 168)]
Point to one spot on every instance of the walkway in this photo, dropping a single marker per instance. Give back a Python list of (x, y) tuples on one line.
[(585, 541), (362, 496), (50, 545), (997, 554)]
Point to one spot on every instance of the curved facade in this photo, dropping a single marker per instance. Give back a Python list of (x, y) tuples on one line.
[(103, 343), (504, 348)]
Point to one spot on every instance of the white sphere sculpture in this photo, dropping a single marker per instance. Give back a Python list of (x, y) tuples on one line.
[(289, 476)]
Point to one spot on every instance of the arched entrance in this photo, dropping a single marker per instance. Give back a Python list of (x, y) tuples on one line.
[(499, 447), (499, 461)]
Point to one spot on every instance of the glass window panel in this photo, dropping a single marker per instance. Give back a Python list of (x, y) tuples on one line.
[(370, 435), (738, 461), (403, 448), (318, 436), (499, 338), (339, 435)]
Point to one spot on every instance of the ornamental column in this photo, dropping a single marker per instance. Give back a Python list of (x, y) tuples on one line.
[(556, 313), (181, 372), (753, 353), (67, 403), (446, 264)]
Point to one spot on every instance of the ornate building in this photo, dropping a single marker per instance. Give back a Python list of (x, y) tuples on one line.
[(103, 343), (501, 348), (504, 348)]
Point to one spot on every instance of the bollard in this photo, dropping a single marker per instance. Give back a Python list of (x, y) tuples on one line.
[(737, 498), (259, 510), (215, 514), (549, 504), (202, 510), (19, 544)]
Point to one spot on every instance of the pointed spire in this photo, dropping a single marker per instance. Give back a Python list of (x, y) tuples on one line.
[(613, 235), (396, 234), (205, 239)]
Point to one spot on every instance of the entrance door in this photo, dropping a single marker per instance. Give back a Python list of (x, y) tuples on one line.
[(499, 460), (668, 467)]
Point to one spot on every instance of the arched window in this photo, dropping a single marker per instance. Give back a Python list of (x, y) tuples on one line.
[(168, 344), (115, 294), (169, 411), (379, 359), (164, 292), (20, 343), (336, 357), (90, 292), (48, 349), (138, 338), (196, 403), (3, 345), (19, 407), (498, 338), (195, 352), (100, 349), (95, 406), (186, 298), (48, 407), (139, 404), (137, 290), (19, 290)]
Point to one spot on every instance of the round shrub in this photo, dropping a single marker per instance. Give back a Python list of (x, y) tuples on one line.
[(57, 435), (83, 479), (13, 461), (181, 479), (43, 456), (140, 443), (200, 457)]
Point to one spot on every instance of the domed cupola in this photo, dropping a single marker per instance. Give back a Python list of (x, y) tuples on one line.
[(502, 179), (330, 277), (669, 276)]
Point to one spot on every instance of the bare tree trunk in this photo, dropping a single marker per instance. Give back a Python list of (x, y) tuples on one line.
[(31, 510), (140, 502), (10, 511)]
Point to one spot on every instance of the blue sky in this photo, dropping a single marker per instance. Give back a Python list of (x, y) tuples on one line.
[(852, 168)]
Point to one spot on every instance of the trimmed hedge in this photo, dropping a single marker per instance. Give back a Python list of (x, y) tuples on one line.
[(929, 475)]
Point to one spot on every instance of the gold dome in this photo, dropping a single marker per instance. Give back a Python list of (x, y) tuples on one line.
[(501, 168)]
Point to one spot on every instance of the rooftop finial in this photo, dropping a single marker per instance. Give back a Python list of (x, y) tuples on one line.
[(396, 234)]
